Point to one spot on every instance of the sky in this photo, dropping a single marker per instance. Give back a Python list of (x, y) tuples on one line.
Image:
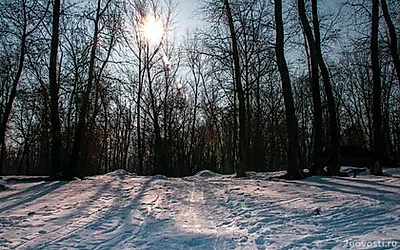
[(187, 18)]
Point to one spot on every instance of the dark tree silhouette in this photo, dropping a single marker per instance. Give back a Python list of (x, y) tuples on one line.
[(315, 89), (241, 168), (376, 168), (333, 161), (56, 145), (294, 170), (393, 38)]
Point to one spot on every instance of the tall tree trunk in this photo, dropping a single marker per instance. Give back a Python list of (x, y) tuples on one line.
[(376, 168), (393, 38), (138, 112), (334, 156), (54, 93), (190, 165), (316, 95), (242, 166), (158, 141), (81, 127), (294, 170)]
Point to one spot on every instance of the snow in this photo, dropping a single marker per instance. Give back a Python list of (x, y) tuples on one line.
[(124, 211), (158, 177), (3, 185), (206, 174), (120, 173)]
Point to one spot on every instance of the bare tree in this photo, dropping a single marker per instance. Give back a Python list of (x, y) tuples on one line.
[(92, 79), (333, 162), (316, 95), (393, 38), (25, 28), (294, 170), (376, 92), (56, 145), (241, 168)]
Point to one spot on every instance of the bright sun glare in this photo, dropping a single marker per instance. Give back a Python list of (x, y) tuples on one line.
[(152, 30)]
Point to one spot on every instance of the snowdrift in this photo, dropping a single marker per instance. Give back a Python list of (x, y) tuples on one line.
[(207, 174), (120, 173)]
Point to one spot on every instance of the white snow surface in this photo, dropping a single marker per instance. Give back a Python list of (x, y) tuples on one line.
[(124, 211)]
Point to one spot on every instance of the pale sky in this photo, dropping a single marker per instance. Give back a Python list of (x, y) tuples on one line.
[(187, 18)]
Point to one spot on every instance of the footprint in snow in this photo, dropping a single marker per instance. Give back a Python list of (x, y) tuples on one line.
[(260, 240), (255, 228), (243, 239)]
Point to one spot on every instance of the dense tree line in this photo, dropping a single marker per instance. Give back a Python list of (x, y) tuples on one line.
[(261, 85)]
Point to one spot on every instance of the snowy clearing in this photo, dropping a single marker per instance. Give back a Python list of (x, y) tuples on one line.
[(120, 210)]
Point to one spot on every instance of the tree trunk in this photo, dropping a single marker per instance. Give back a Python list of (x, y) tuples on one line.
[(13, 93), (334, 156), (393, 38), (158, 141), (138, 111), (54, 94), (294, 170), (376, 168), (81, 127), (242, 166), (316, 95)]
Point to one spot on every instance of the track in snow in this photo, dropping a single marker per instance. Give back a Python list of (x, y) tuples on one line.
[(120, 211)]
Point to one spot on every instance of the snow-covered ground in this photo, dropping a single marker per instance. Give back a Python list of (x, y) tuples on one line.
[(207, 211)]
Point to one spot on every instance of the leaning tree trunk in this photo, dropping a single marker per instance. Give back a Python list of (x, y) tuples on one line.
[(294, 170), (241, 168), (13, 93), (376, 168), (334, 155), (393, 38)]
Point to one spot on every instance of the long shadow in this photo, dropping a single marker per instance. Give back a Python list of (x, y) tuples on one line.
[(77, 216), (22, 192), (32, 194), (358, 183), (27, 179), (373, 193), (145, 235), (113, 218), (372, 182), (332, 226), (124, 233), (148, 237), (87, 203)]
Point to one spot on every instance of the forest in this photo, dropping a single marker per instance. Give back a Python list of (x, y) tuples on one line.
[(88, 87)]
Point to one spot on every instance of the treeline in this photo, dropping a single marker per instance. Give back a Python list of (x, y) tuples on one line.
[(86, 88)]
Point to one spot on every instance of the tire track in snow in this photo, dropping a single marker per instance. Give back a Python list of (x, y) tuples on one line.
[(101, 221), (58, 233), (215, 196)]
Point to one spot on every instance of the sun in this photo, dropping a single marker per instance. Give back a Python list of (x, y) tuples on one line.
[(152, 30)]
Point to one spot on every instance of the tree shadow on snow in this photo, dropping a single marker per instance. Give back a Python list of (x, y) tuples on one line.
[(353, 187), (133, 225), (30, 194)]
